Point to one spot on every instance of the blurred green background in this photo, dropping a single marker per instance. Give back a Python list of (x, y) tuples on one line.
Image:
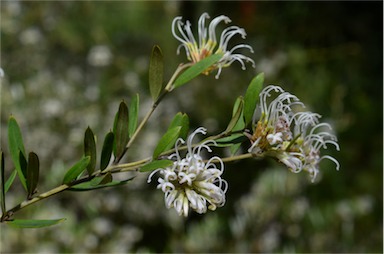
[(68, 64)]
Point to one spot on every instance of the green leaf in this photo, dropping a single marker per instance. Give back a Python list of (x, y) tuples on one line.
[(240, 125), (106, 151), (184, 126), (107, 178), (90, 149), (236, 114), (16, 146), (155, 165), (251, 97), (196, 69), (133, 115), (156, 72), (87, 186), (167, 141), (23, 163), (10, 180), (34, 223), (120, 130), (181, 120), (76, 170), (235, 147), (230, 140), (180, 124), (32, 173), (2, 182)]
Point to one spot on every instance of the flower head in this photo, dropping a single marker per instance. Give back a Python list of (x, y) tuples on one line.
[(190, 182), (207, 42), (294, 138)]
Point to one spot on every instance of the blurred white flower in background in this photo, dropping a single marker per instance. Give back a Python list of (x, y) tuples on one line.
[(100, 56), (31, 36)]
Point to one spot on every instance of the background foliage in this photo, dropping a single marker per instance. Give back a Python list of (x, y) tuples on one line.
[(69, 64)]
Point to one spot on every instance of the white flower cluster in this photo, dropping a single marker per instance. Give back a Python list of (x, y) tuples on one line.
[(190, 182), (207, 43), (294, 138)]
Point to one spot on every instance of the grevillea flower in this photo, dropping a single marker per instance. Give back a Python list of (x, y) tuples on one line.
[(190, 182), (207, 43), (294, 138)]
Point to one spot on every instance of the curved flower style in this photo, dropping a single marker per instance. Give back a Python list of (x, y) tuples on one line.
[(207, 43), (191, 182), (295, 139)]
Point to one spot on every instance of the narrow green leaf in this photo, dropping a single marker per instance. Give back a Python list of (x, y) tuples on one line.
[(240, 125), (16, 146), (90, 149), (251, 97), (32, 173), (107, 178), (120, 130), (184, 126), (235, 147), (196, 69), (34, 223), (87, 186), (133, 115), (155, 165), (237, 112), (156, 72), (23, 163), (106, 151), (76, 170), (231, 140), (181, 120), (167, 141), (2, 182), (10, 180)]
